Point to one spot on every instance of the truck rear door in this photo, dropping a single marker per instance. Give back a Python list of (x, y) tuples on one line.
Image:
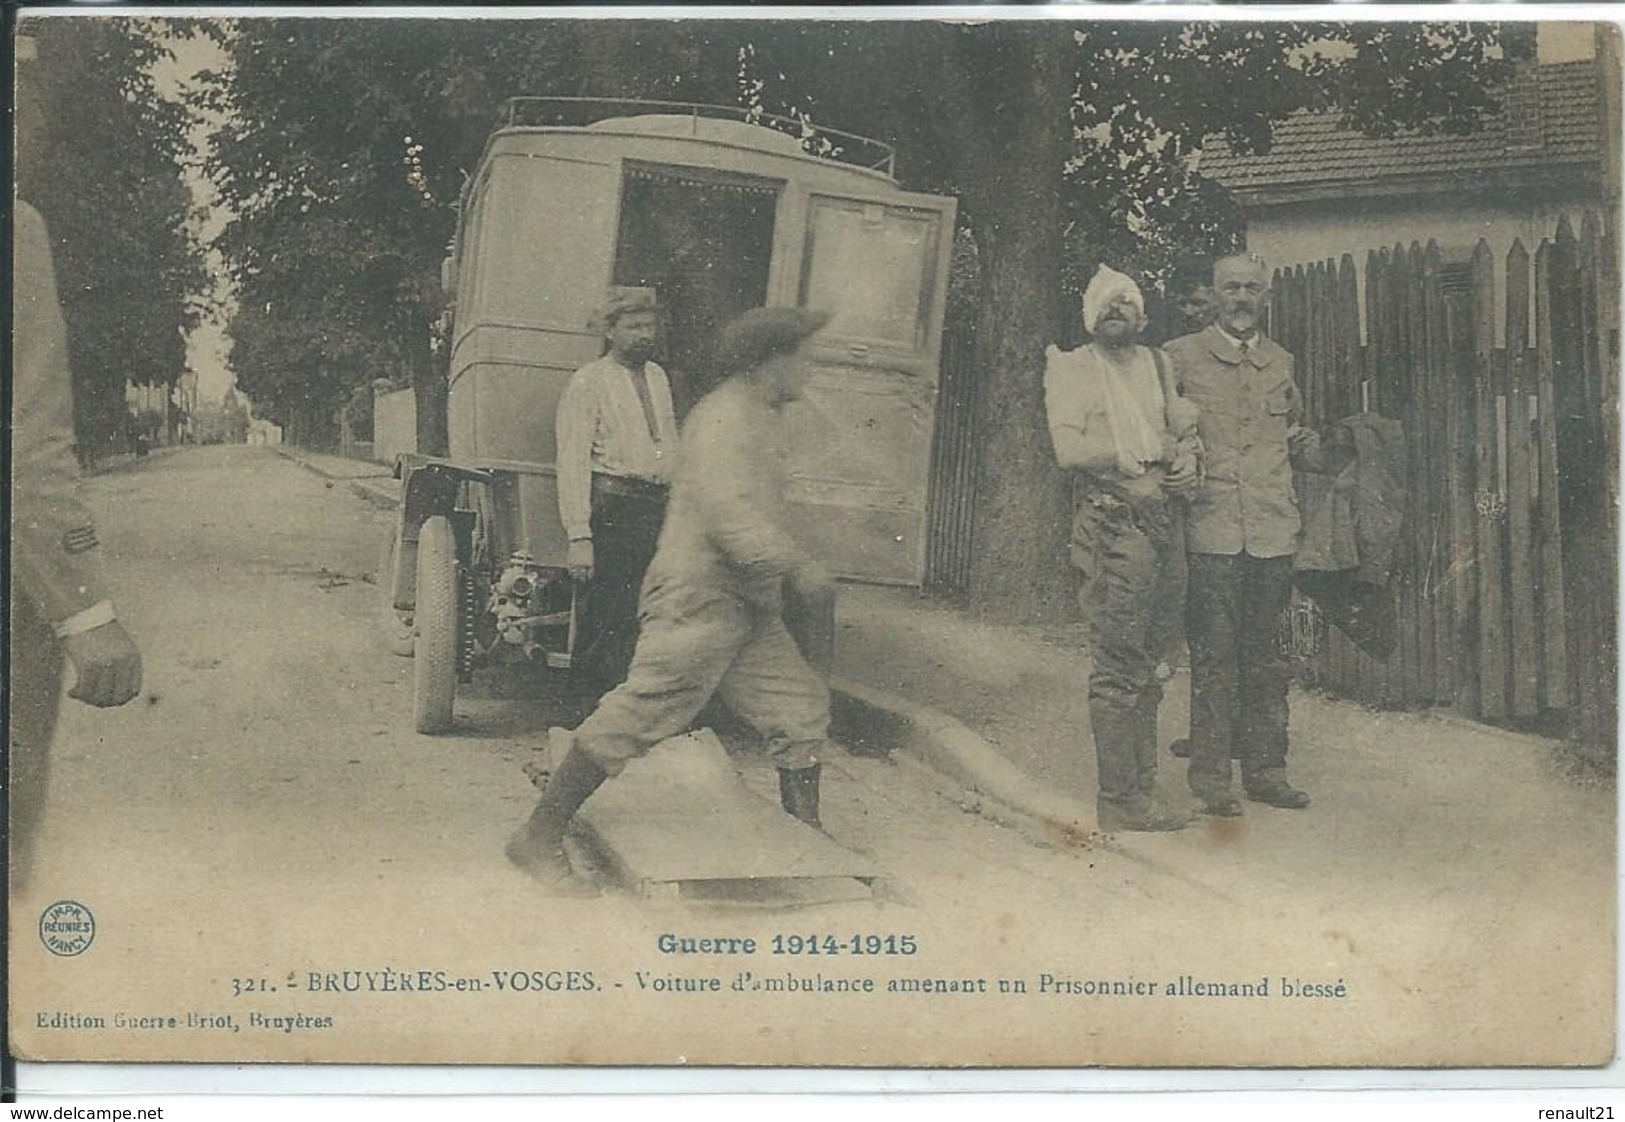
[(861, 439)]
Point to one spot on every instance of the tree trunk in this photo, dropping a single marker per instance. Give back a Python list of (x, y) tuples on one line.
[(429, 388), (1008, 130)]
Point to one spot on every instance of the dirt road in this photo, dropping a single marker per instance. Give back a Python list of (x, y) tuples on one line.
[(261, 831)]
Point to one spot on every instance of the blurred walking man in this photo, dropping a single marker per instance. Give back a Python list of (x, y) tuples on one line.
[(712, 606)]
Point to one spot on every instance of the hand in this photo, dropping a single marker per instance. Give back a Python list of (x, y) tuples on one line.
[(1302, 443), (1185, 474), (1182, 417), (578, 559), (106, 665), (812, 581)]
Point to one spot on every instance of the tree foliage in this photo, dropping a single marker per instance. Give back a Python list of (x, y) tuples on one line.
[(102, 155), (342, 153), (1067, 144)]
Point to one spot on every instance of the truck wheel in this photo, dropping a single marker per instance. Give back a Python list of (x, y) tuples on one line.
[(398, 624), (434, 670)]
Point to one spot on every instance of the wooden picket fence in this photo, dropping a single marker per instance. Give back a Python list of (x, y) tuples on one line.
[(1506, 590)]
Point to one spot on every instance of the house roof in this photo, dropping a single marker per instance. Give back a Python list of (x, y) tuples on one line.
[(1548, 129)]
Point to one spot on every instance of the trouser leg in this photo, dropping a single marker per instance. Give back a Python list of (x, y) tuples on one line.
[(1263, 671), (778, 694), (1121, 559), (36, 695), (689, 639), (625, 531), (1145, 738), (1211, 627), (772, 686)]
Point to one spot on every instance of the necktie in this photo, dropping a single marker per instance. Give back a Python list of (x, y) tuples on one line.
[(640, 382)]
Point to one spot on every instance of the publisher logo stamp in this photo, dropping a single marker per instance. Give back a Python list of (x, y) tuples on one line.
[(67, 928)]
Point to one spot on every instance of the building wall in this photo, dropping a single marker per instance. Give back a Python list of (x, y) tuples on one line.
[(394, 424), (1307, 232)]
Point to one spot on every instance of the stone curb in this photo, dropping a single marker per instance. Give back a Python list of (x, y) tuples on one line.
[(381, 495), (869, 718)]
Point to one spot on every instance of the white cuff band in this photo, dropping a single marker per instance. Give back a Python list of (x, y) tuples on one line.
[(97, 615)]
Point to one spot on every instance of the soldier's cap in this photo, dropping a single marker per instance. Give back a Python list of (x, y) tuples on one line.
[(621, 300), (761, 333)]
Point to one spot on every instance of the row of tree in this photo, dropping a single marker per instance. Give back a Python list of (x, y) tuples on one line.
[(102, 154), (345, 143)]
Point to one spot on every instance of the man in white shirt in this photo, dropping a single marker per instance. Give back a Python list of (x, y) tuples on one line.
[(617, 443), (1128, 442)]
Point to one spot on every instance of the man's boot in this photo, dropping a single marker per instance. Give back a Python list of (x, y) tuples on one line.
[(798, 792), (1157, 814), (1122, 803), (538, 848)]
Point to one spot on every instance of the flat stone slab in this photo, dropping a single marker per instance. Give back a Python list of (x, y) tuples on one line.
[(681, 823)]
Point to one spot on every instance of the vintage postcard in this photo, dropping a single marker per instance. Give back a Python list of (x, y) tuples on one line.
[(917, 542)]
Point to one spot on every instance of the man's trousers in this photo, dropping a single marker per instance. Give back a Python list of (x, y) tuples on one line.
[(1130, 561), (626, 524), (696, 641), (1239, 676)]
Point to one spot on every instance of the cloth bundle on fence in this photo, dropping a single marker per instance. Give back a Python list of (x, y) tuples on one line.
[(1351, 533)]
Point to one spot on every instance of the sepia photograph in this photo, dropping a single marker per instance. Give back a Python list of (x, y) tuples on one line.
[(917, 541)]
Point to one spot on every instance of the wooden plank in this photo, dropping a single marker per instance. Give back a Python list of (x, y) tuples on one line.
[(1576, 459), (1463, 536), (1587, 465), (1487, 495), (1378, 367), (1315, 344), (1548, 523), (1375, 676), (1331, 375), (682, 815), (1440, 587), (1420, 431), (1371, 357), (1400, 679), (1524, 634), (1591, 328), (1350, 369)]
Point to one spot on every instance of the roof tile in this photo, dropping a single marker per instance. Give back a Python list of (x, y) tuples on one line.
[(1309, 148)]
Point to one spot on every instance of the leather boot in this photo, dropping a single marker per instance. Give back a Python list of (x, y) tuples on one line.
[(1126, 755), (798, 792), (538, 848), (1116, 764)]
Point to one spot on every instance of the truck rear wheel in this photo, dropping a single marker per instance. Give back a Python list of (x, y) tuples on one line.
[(434, 668)]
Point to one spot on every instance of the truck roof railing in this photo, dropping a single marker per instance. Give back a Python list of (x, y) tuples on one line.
[(816, 140)]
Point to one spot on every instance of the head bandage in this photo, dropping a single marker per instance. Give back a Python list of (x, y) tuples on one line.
[(1106, 287)]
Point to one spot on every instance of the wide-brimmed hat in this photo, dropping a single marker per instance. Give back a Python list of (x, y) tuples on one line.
[(761, 333)]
